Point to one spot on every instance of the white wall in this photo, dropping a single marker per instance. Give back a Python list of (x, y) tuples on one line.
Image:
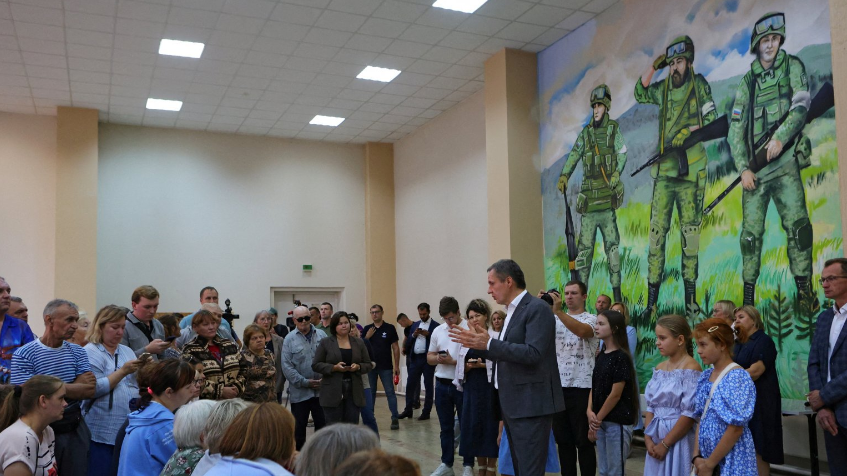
[(28, 209), (442, 209), (184, 209)]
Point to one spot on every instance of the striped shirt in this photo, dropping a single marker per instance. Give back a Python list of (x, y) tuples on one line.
[(107, 411), (65, 362)]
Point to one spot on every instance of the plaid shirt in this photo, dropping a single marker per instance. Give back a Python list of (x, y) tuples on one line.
[(226, 372)]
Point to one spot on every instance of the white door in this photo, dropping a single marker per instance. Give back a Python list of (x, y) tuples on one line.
[(283, 299)]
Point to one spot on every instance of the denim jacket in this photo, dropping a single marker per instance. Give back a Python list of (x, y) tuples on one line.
[(297, 354)]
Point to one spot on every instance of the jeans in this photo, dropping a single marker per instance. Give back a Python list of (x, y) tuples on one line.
[(387, 378), (448, 404), (613, 441), (368, 418), (99, 458), (346, 411), (836, 451), (301, 411), (419, 368), (570, 428)]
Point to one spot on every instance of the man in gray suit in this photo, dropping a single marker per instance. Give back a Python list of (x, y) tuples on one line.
[(526, 374)]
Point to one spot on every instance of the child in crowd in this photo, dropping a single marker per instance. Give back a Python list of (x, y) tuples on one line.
[(725, 399), (669, 432), (613, 402), (27, 443)]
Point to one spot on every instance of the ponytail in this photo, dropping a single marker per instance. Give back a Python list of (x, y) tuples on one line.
[(678, 326), (24, 398), (156, 377)]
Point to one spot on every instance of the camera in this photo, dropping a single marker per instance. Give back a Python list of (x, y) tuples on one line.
[(547, 297), (228, 315)]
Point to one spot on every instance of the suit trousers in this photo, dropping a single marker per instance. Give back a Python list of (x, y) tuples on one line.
[(301, 411), (346, 411), (528, 443), (419, 368), (836, 451)]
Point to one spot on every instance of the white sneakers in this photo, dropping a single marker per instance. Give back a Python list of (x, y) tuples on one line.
[(468, 471), (444, 470)]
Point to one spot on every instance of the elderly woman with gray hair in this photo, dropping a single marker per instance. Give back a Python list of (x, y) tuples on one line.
[(331, 445), (265, 319), (189, 423), (217, 423)]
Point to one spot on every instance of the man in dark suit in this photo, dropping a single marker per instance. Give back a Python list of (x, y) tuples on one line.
[(525, 370), (416, 346), (828, 366)]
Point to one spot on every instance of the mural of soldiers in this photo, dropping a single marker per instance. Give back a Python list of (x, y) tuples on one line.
[(775, 85), (685, 104), (601, 148)]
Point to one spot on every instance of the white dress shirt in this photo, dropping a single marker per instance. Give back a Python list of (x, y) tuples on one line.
[(420, 340), (510, 309), (837, 325)]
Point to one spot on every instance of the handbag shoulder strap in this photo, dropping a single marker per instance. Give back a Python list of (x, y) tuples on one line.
[(715, 385)]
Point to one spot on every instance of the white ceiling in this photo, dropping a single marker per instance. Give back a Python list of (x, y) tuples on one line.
[(269, 65)]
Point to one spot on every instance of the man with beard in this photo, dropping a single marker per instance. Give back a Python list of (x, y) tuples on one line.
[(775, 85), (685, 104), (601, 148)]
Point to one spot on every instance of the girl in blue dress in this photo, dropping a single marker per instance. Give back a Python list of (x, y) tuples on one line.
[(669, 419), (724, 439)]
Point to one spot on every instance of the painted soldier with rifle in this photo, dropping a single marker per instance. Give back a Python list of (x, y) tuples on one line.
[(679, 169), (600, 147)]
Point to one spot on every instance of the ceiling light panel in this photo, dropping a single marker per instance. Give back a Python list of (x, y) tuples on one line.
[(187, 49), (465, 6), (374, 73), (326, 121), (164, 104)]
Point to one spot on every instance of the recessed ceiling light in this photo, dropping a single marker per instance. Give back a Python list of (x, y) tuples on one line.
[(326, 121), (164, 104), (374, 73), (466, 6), (188, 49)]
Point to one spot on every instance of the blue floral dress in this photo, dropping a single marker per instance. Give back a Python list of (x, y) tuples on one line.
[(732, 404)]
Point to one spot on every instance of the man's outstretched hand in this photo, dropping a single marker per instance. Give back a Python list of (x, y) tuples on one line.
[(474, 338)]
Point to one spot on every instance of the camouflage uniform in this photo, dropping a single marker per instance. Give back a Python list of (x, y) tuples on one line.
[(602, 151), (681, 109), (763, 97)]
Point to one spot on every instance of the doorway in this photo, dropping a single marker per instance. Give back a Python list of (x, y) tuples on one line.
[(282, 298)]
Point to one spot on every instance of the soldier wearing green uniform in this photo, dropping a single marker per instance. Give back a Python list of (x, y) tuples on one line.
[(776, 85), (685, 104), (601, 148)]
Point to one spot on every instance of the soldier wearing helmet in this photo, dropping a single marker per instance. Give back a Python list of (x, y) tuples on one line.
[(600, 147), (685, 104), (775, 86)]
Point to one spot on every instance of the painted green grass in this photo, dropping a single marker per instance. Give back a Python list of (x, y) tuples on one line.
[(721, 262)]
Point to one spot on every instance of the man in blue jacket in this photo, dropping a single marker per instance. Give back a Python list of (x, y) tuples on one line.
[(417, 344), (828, 366), (13, 332)]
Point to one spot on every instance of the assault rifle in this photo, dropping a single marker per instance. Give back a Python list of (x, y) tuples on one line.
[(570, 234), (716, 129), (822, 102)]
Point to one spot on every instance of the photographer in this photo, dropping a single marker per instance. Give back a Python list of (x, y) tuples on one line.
[(576, 347)]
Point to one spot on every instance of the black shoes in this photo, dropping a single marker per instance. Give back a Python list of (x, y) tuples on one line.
[(405, 414), (395, 424), (423, 417)]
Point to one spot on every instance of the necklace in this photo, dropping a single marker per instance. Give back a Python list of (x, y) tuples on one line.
[(679, 365)]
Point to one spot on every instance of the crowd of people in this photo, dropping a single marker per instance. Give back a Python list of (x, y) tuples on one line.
[(541, 385)]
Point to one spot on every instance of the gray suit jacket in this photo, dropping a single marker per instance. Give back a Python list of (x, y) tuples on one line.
[(525, 359), (135, 339)]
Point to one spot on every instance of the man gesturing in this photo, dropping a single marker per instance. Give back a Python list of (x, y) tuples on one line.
[(525, 368)]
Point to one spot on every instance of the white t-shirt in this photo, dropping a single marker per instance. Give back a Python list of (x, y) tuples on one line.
[(574, 354), (19, 443), (439, 341), (837, 325)]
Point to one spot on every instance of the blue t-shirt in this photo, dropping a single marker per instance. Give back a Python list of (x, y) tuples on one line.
[(381, 341), (13, 335)]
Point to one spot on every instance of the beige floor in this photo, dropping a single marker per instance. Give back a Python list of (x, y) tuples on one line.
[(419, 441)]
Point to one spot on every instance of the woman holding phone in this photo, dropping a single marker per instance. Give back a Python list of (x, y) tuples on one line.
[(342, 359)]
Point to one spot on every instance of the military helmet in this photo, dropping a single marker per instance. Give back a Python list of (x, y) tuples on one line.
[(601, 95), (773, 22), (681, 46)]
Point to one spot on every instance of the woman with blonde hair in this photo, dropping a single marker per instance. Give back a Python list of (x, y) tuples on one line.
[(113, 365), (258, 442), (724, 309), (27, 443), (257, 366)]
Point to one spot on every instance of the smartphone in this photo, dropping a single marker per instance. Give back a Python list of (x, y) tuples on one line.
[(171, 338), (473, 361), (442, 352)]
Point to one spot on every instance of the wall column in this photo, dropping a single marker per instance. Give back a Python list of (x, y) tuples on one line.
[(515, 229), (76, 207), (837, 16), (380, 245)]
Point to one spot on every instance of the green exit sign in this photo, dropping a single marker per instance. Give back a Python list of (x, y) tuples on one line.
[(307, 267)]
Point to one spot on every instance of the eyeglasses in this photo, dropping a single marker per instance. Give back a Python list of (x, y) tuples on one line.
[(675, 49), (829, 279), (773, 22), (302, 319)]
